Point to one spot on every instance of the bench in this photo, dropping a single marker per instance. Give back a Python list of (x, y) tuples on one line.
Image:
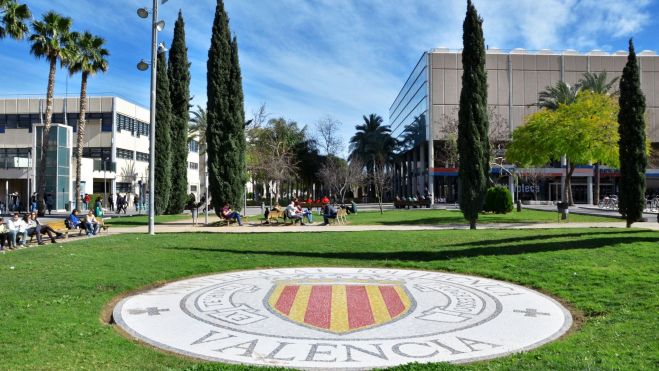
[(101, 225), (400, 204), (228, 222)]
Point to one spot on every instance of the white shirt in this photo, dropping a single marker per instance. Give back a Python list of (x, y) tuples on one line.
[(16, 225)]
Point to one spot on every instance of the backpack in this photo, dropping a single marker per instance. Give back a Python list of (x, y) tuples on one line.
[(69, 223)]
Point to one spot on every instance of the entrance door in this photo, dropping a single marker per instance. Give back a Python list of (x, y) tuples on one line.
[(554, 192)]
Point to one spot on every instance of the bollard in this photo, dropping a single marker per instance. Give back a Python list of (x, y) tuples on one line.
[(519, 205)]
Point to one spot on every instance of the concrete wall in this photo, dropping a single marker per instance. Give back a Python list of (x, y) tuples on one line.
[(531, 73)]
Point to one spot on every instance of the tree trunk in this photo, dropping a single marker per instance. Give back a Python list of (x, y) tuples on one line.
[(596, 199), (82, 121), (41, 184), (568, 184), (472, 223)]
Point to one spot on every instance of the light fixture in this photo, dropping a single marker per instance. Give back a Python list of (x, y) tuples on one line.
[(142, 12), (142, 65), (162, 48), (160, 25)]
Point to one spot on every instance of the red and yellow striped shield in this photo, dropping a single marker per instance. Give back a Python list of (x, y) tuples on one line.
[(340, 307)]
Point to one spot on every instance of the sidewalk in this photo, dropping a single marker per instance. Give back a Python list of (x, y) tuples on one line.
[(183, 226)]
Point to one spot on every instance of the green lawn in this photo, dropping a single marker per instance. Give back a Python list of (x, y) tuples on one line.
[(429, 217), (52, 297), (142, 220)]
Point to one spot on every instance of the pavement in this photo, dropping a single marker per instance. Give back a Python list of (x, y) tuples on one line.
[(185, 225)]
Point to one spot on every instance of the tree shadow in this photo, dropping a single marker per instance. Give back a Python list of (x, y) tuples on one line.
[(481, 248), (546, 236)]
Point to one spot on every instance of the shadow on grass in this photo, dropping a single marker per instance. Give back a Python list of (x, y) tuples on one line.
[(546, 236), (507, 247), (460, 220)]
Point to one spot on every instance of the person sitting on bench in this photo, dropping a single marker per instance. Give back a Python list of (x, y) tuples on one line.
[(228, 214), (292, 213), (72, 221), (91, 225)]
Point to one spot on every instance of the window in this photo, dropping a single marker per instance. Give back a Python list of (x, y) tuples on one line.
[(97, 152), (141, 156), (193, 188), (193, 146), (136, 127), (193, 165), (124, 153), (123, 187), (106, 122)]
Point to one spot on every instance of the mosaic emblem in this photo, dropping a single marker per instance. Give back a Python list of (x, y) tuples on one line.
[(340, 307), (342, 318)]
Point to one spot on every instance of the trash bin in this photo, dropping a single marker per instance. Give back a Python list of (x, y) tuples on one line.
[(67, 206), (563, 209)]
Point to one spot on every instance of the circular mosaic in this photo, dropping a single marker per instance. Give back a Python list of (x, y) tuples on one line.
[(342, 318)]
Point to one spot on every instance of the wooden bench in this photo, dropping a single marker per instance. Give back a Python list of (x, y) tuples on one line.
[(228, 222), (400, 204), (101, 225), (59, 226)]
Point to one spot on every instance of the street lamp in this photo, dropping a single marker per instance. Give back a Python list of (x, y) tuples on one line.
[(156, 26)]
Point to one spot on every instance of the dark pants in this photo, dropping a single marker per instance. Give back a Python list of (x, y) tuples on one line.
[(234, 215), (327, 217)]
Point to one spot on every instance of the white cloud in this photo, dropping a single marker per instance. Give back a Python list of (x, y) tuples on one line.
[(346, 58)]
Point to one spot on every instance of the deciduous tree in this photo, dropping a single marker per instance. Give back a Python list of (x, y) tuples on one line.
[(584, 131)]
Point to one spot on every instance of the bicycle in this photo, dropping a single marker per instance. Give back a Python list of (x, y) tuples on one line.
[(609, 202)]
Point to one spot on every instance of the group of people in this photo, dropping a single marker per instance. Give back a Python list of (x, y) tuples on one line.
[(90, 223), (15, 231), (295, 211)]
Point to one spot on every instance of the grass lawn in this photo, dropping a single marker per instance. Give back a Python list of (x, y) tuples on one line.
[(52, 297), (142, 220), (429, 217)]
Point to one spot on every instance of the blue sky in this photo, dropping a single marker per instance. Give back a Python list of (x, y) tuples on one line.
[(307, 59)]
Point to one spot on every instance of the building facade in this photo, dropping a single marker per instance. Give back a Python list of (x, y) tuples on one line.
[(115, 151), (424, 116)]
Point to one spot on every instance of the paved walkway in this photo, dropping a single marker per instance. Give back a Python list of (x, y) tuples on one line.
[(254, 227)]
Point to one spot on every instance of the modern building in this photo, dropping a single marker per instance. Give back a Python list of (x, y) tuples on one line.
[(115, 150), (424, 115)]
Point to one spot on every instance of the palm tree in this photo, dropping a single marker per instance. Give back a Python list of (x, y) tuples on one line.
[(555, 95), (596, 83), (85, 54), (372, 143), (197, 129), (49, 39), (12, 20)]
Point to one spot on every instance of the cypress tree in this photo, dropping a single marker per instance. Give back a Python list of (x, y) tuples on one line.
[(163, 138), (631, 126), (179, 88), (473, 126), (225, 135)]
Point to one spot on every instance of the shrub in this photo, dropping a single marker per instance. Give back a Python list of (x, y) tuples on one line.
[(498, 200)]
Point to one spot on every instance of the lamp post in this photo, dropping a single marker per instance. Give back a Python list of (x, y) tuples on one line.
[(142, 66)]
